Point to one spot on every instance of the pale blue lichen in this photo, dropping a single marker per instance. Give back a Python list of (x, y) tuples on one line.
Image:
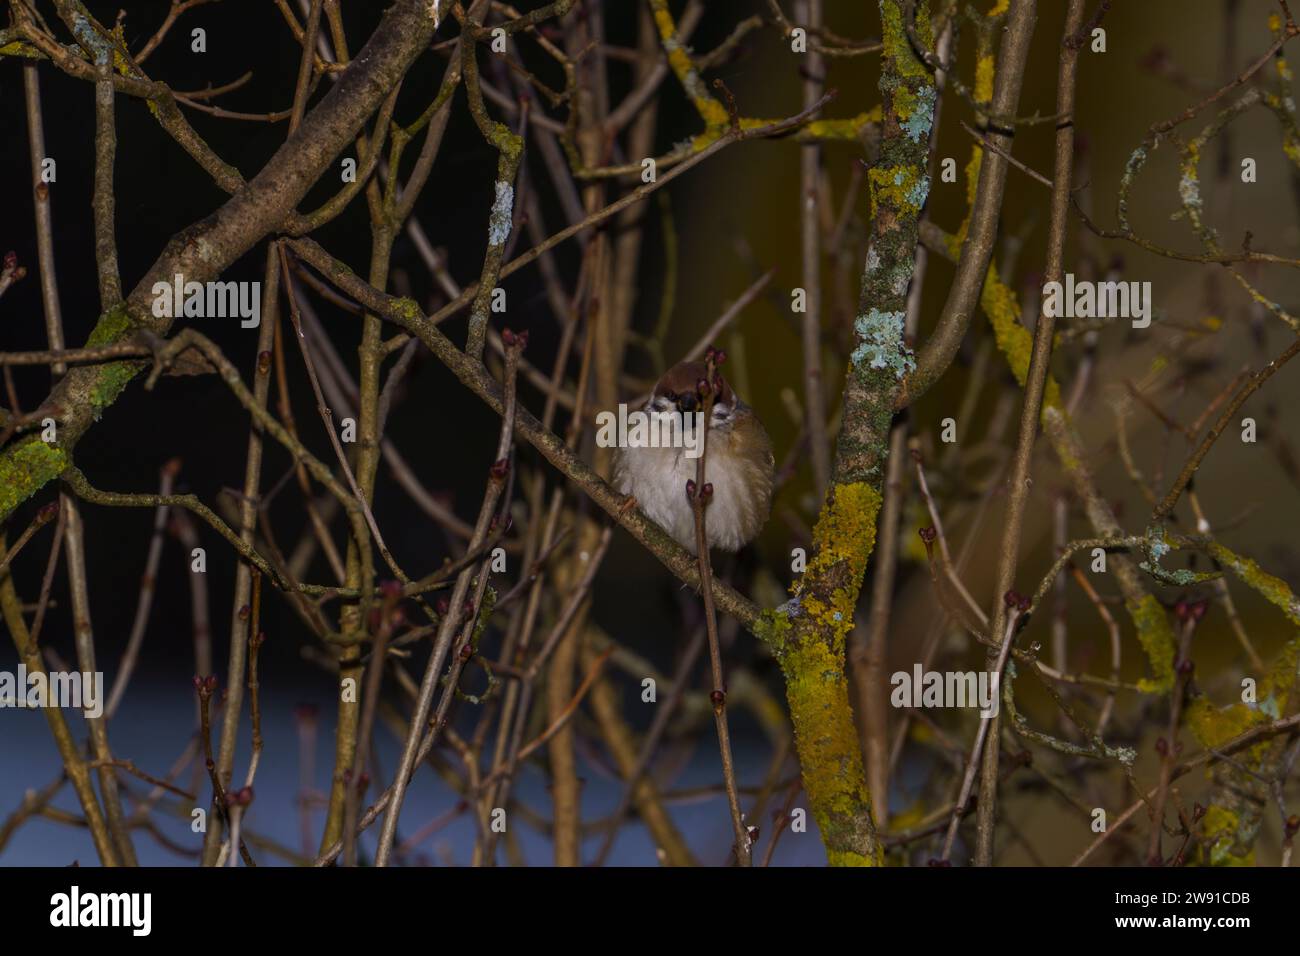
[(921, 119), (1180, 577), (91, 40), (1157, 546), (1189, 190), (502, 211), (1135, 161), (919, 191), (880, 342)]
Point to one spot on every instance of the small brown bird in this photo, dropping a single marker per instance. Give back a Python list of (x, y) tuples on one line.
[(738, 463)]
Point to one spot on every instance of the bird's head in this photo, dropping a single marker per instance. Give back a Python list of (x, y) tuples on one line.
[(679, 390)]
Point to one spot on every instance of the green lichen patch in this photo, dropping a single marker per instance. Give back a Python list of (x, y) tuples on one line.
[(1013, 339), (1227, 839), (830, 759), (1157, 640), (24, 468), (773, 628), (1273, 589), (1228, 832), (843, 539), (894, 39), (1215, 726), (903, 189), (808, 636), (113, 326)]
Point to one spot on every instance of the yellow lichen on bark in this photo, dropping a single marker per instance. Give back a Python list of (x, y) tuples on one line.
[(984, 79), (829, 756), (1157, 640), (1272, 588), (1231, 824), (811, 653), (843, 540)]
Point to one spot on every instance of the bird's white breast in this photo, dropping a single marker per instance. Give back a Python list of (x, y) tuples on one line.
[(657, 478)]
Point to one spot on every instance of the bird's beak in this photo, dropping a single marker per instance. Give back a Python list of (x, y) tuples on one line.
[(687, 402)]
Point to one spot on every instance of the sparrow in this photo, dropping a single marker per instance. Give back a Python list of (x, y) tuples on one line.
[(738, 463)]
